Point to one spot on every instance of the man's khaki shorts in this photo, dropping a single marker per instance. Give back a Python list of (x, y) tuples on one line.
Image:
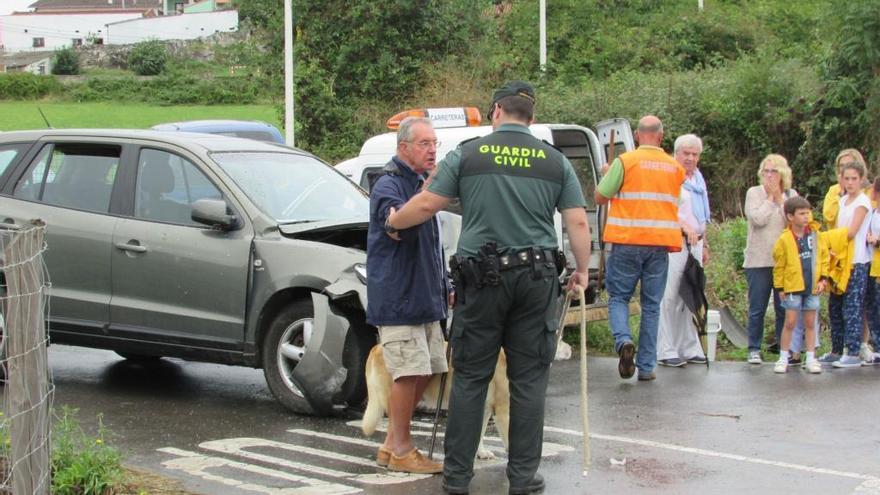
[(413, 350)]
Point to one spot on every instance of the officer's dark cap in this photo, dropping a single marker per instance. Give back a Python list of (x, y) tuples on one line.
[(512, 88)]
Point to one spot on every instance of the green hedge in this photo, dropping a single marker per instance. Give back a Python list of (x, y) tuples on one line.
[(26, 86)]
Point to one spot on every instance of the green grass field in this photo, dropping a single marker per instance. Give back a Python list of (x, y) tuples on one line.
[(24, 115)]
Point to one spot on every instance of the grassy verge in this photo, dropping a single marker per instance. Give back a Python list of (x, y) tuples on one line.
[(24, 115)]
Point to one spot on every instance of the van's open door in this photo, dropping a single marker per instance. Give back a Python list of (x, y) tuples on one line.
[(623, 137)]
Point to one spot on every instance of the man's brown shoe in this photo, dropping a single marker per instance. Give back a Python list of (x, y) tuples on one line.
[(626, 367), (414, 462), (383, 456)]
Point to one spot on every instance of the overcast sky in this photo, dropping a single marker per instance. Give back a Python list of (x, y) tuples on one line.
[(7, 6)]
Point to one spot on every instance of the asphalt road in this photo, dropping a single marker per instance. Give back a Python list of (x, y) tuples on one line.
[(734, 428)]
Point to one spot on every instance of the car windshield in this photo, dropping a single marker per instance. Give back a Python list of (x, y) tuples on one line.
[(294, 188)]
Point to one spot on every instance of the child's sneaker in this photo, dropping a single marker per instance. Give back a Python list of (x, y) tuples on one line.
[(813, 366), (872, 361), (829, 358), (781, 366), (865, 352), (755, 357), (847, 362)]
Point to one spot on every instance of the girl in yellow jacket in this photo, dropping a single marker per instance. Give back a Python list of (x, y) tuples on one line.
[(800, 265)]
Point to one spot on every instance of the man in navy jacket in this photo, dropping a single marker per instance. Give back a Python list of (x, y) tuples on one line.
[(407, 292)]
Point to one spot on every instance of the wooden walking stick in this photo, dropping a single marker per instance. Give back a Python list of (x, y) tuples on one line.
[(584, 406)]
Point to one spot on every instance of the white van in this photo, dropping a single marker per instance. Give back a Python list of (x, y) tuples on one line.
[(585, 148)]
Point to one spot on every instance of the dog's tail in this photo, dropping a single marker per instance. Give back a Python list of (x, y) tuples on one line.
[(372, 415), (376, 396)]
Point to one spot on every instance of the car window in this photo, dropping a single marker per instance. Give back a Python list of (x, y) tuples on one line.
[(167, 185), (7, 154), (73, 175), (294, 188)]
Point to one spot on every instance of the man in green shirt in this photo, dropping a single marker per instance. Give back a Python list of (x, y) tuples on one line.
[(509, 183)]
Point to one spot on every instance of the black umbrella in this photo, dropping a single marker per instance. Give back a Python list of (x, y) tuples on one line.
[(692, 291)]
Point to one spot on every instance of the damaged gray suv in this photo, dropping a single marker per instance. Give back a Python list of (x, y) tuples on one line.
[(207, 248)]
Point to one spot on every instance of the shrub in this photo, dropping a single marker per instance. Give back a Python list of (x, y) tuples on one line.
[(148, 58), (725, 279), (65, 62), (83, 465), (26, 86)]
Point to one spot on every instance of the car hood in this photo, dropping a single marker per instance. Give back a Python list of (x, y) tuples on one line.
[(350, 233), (293, 229)]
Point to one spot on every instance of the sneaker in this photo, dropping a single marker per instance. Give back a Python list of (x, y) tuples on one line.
[(672, 362), (697, 360), (452, 489), (813, 366), (828, 358), (874, 360), (755, 357), (383, 456), (847, 362), (414, 462), (781, 366), (865, 352), (646, 376), (533, 486), (626, 367), (794, 360)]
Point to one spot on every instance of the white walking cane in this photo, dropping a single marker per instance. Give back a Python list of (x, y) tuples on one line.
[(584, 409)]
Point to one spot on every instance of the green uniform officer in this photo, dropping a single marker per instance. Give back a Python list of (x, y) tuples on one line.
[(510, 184)]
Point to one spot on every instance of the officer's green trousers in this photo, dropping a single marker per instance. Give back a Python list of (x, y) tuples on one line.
[(519, 314)]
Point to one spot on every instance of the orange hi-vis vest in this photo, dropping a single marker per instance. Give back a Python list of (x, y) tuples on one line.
[(645, 209)]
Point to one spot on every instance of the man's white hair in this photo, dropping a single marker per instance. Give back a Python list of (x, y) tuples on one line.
[(405, 130), (688, 141)]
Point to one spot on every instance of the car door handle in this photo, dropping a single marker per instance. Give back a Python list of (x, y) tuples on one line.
[(137, 248)]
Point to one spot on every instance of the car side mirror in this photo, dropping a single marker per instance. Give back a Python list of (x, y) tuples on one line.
[(214, 213)]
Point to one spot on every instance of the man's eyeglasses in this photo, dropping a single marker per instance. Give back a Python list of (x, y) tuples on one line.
[(427, 144)]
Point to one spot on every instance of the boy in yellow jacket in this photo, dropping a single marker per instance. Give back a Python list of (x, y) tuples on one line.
[(801, 263)]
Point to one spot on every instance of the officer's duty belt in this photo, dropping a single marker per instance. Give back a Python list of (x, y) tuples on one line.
[(525, 257)]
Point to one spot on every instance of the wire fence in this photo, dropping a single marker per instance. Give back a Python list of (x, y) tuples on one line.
[(28, 388)]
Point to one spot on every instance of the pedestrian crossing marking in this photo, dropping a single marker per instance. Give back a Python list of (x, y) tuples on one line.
[(198, 465), (249, 455), (240, 446)]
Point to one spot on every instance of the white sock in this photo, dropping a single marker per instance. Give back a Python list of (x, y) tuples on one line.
[(783, 356), (811, 356)]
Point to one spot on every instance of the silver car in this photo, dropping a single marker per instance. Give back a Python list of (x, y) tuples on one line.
[(201, 247)]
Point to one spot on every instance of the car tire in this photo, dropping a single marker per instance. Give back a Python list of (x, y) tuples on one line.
[(358, 343), (291, 327), (133, 356)]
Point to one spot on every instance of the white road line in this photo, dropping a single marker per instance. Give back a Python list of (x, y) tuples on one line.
[(712, 453), (238, 446), (549, 448), (197, 465)]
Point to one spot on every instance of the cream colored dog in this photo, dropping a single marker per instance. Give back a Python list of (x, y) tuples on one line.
[(379, 390)]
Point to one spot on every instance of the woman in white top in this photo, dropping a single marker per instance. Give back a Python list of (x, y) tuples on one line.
[(845, 310)]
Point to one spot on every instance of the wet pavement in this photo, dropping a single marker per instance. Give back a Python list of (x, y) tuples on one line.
[(733, 428)]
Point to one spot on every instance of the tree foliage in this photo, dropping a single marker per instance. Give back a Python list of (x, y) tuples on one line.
[(65, 62), (847, 112), (148, 58)]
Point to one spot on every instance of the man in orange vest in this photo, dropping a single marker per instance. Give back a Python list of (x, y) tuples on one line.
[(643, 188)]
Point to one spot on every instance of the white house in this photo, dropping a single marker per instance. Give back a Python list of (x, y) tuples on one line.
[(53, 24), (174, 27), (35, 31)]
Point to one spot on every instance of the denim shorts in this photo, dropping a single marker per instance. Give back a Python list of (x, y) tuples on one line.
[(801, 302)]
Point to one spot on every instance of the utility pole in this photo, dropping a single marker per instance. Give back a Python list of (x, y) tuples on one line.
[(288, 73), (543, 35)]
